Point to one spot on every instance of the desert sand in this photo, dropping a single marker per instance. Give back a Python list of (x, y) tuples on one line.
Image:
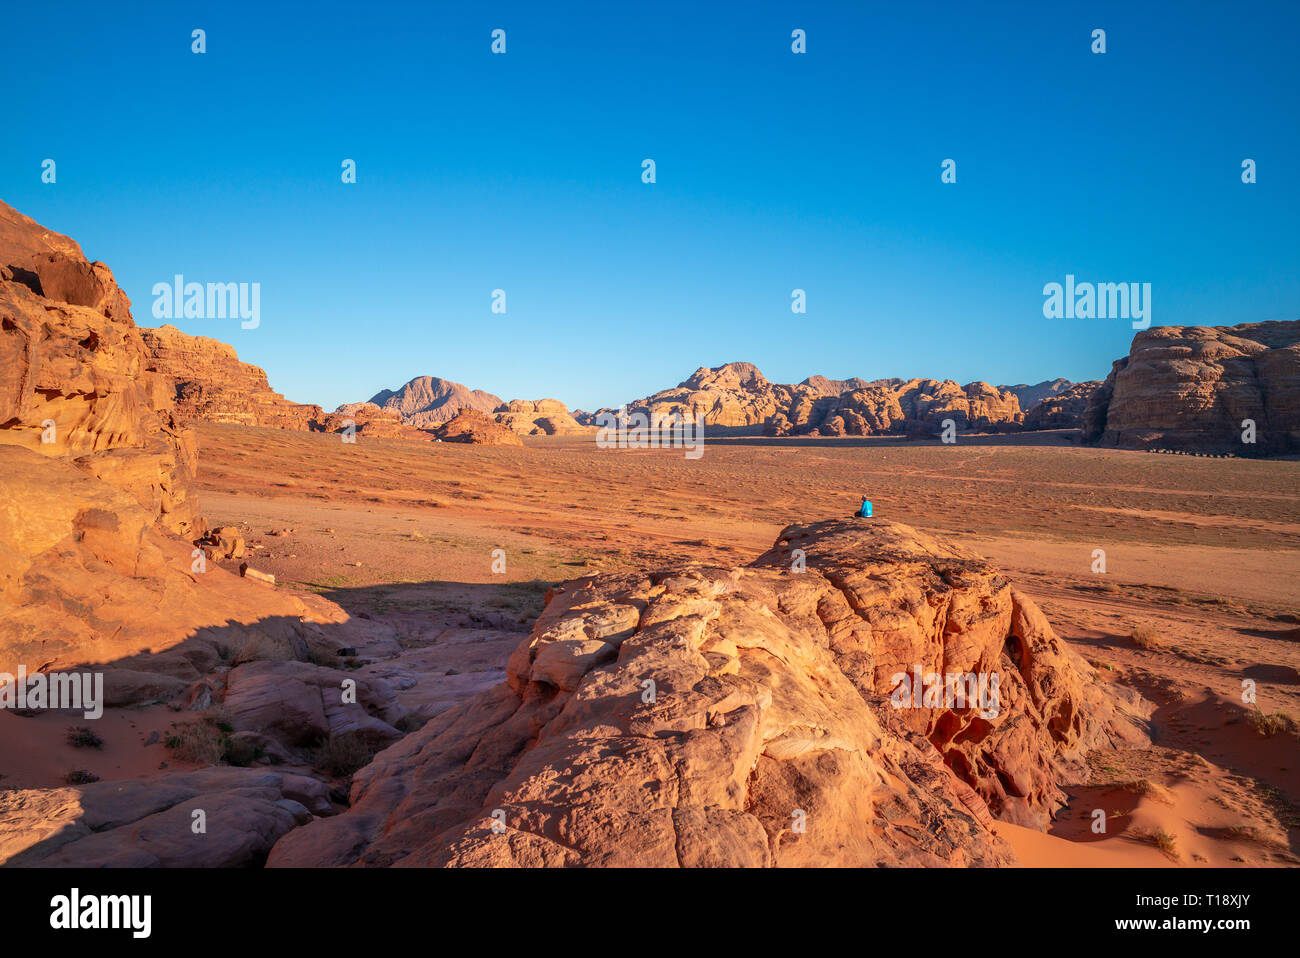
[(1205, 553)]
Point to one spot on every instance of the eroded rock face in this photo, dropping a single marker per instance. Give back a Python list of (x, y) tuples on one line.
[(542, 417), (738, 396), (743, 717), (74, 381), (1030, 396), (895, 406), (210, 384), (1064, 409), (373, 422), (428, 401), (147, 823), (1192, 387), (476, 427)]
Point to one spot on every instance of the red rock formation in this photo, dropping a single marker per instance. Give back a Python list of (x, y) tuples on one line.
[(210, 384), (1191, 387), (711, 717), (900, 407), (429, 401), (1030, 396), (1062, 410), (543, 417), (476, 427), (372, 421), (73, 371), (738, 396)]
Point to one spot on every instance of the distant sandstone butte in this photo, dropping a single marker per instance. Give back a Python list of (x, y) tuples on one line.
[(1062, 410), (429, 401), (737, 395), (1031, 396), (212, 385), (74, 383), (1191, 388), (471, 425), (699, 716), (374, 422), (542, 417)]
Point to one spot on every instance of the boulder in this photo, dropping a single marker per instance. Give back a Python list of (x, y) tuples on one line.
[(744, 717)]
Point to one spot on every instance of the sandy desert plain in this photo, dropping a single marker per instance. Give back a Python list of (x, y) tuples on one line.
[(1204, 553)]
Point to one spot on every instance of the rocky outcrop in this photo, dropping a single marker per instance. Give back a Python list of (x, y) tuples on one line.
[(1030, 396), (147, 823), (429, 401), (98, 529), (738, 396), (543, 417), (1062, 410), (74, 379), (373, 422), (915, 407), (210, 384), (1192, 388), (475, 427), (746, 717)]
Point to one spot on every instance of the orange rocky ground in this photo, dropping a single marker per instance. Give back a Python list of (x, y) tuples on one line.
[(1205, 553)]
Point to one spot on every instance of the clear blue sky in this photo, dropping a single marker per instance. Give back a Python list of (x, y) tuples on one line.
[(775, 171)]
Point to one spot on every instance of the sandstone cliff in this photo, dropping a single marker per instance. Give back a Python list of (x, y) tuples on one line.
[(737, 395), (543, 417), (1062, 410), (470, 425), (210, 384), (1191, 388), (911, 407), (74, 378), (1030, 396)]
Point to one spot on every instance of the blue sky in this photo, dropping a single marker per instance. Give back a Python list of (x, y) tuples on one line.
[(775, 171)]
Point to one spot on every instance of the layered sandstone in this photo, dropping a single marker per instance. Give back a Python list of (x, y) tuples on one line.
[(476, 427), (743, 717), (1194, 388), (1030, 396), (373, 422), (737, 395), (911, 407), (429, 401), (210, 384), (1062, 410), (74, 377), (542, 417)]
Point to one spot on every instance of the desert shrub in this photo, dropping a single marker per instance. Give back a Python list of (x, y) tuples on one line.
[(211, 741), (260, 647), (1145, 637), (322, 657), (1275, 724), (79, 776), (343, 755), (1151, 790), (1162, 840), (197, 742), (81, 737)]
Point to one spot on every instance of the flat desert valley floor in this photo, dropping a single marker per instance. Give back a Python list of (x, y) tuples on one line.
[(1202, 556), (1203, 552)]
